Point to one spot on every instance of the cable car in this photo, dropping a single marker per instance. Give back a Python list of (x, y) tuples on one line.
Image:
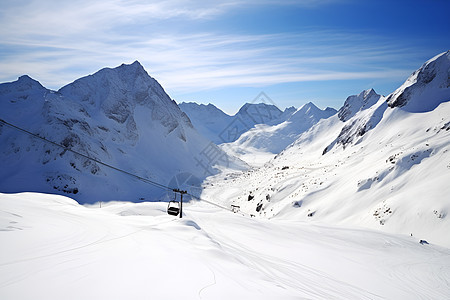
[(173, 208)]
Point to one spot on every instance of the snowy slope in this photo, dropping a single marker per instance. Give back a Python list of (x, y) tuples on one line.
[(119, 116), (386, 167), (222, 128), (53, 248), (262, 142)]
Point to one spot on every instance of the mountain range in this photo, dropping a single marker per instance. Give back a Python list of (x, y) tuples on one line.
[(264, 141), (220, 127)]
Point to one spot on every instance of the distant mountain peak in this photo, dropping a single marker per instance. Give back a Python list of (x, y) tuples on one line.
[(247, 106), (26, 80), (310, 105)]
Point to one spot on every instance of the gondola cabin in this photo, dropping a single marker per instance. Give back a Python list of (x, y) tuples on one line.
[(173, 208)]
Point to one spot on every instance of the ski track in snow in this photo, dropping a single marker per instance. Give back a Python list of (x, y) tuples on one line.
[(136, 251), (303, 278)]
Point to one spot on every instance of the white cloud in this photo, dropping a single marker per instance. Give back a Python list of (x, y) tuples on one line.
[(59, 18), (59, 41)]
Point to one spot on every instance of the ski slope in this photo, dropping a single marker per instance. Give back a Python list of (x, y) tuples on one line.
[(54, 248)]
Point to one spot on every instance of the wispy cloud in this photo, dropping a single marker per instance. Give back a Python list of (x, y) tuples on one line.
[(58, 41), (55, 17)]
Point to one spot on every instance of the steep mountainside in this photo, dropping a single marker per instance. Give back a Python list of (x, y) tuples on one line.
[(383, 164), (426, 88), (207, 119), (118, 116)]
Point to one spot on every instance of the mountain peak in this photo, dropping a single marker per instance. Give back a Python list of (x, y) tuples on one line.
[(247, 105), (135, 64), (310, 105), (22, 88), (134, 67), (249, 108), (368, 93), (310, 110), (355, 103), (27, 80), (433, 75)]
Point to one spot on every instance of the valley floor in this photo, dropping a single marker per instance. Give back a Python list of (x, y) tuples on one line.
[(54, 248)]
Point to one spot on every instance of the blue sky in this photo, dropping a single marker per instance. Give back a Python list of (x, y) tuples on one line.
[(226, 52)]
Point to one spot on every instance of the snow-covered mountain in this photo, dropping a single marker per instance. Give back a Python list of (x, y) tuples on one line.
[(382, 162), (118, 116), (209, 120), (356, 103), (222, 128), (426, 88), (262, 142)]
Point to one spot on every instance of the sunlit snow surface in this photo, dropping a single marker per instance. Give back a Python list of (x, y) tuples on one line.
[(381, 163), (53, 248)]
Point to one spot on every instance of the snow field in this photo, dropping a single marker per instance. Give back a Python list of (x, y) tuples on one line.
[(53, 248)]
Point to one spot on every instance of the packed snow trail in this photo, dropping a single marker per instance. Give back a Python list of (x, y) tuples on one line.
[(53, 248), (320, 262)]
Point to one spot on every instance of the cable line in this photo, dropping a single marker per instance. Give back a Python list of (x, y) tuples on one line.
[(87, 157), (212, 203), (143, 179)]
